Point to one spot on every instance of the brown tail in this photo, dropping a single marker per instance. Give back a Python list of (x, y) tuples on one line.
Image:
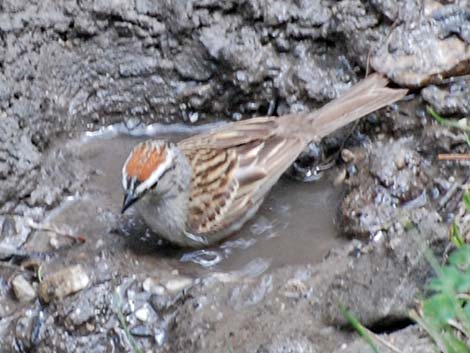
[(363, 98)]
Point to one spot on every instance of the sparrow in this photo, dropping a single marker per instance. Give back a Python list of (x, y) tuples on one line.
[(202, 189)]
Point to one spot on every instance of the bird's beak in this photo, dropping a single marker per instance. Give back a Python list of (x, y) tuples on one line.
[(129, 200)]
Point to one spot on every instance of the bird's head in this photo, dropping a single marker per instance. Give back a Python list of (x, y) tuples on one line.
[(146, 165)]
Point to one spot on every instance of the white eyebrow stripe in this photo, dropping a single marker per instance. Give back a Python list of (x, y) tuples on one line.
[(156, 174), (124, 172), (124, 177)]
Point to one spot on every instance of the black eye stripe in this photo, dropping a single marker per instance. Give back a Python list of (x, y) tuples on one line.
[(132, 183), (172, 167)]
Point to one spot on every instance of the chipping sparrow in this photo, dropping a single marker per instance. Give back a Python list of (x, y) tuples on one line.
[(203, 188)]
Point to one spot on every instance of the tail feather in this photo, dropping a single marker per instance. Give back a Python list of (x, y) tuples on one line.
[(363, 98)]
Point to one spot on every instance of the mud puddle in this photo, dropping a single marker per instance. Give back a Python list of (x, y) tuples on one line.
[(295, 225)]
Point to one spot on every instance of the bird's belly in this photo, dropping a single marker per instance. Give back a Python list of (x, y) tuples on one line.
[(164, 220), (169, 222)]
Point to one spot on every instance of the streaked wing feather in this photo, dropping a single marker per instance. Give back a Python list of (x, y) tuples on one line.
[(213, 188), (244, 161), (234, 134), (276, 156)]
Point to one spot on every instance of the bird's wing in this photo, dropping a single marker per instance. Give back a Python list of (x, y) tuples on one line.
[(233, 169)]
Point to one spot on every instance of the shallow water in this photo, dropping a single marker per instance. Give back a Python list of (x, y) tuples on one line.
[(294, 225)]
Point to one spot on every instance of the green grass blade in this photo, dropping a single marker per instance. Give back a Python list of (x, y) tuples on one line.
[(122, 321), (361, 330), (445, 122)]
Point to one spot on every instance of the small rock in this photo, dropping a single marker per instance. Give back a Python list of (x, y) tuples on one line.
[(295, 288), (236, 116), (400, 160), (151, 286), (347, 155), (193, 117), (141, 331), (63, 283), (178, 284), (142, 314), (24, 291), (54, 242), (159, 336), (132, 123), (161, 302), (463, 123), (90, 327), (377, 237)]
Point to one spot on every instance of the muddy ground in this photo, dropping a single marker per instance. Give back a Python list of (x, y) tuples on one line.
[(356, 239)]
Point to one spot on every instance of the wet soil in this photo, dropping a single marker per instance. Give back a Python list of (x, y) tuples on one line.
[(354, 237)]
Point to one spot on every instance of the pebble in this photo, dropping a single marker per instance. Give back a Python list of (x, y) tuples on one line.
[(62, 283), (347, 155), (23, 290), (159, 336), (90, 327), (132, 123), (178, 284), (236, 116), (377, 237), (295, 288), (193, 117), (54, 242), (400, 160), (142, 314), (463, 123), (141, 331), (151, 286), (160, 302)]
